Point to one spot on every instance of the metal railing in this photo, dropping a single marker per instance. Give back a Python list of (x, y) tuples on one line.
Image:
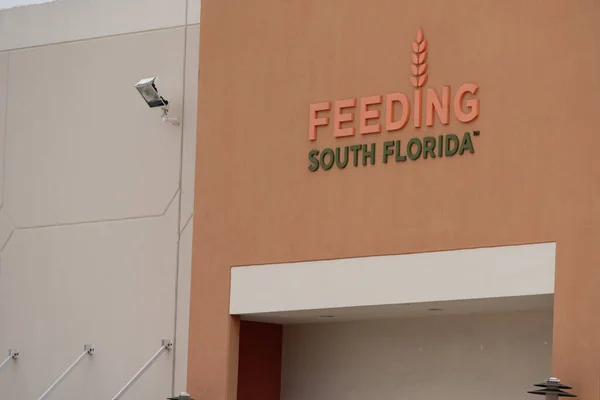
[(88, 349), (167, 345)]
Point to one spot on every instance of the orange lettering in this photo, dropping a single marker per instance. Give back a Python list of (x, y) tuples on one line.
[(366, 114), (472, 104), (390, 124), (340, 117), (314, 121), (433, 104), (418, 112)]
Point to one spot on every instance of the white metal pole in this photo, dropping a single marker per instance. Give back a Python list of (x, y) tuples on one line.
[(13, 354), (166, 345), (88, 350)]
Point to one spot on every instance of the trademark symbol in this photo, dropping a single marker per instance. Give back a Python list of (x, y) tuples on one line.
[(475, 133)]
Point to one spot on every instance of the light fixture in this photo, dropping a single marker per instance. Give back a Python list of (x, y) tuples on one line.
[(181, 396), (147, 89), (552, 389)]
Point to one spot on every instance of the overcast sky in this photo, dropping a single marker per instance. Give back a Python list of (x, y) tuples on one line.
[(15, 3)]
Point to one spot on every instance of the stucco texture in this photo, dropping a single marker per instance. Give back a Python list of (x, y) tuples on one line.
[(533, 177)]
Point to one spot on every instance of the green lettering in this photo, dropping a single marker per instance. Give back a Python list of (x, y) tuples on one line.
[(341, 164), (327, 165), (355, 148), (399, 156), (409, 148), (440, 145), (386, 151), (466, 144), (454, 139), (368, 154), (429, 146), (314, 161)]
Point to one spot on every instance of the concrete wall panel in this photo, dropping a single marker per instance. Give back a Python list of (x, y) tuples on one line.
[(71, 20), (183, 308), (189, 123), (82, 144), (89, 238), (3, 98), (193, 15), (62, 287)]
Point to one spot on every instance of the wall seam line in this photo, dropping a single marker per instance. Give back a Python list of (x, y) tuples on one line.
[(5, 133), (186, 224), (178, 258), (9, 50), (25, 228), (165, 28), (100, 221), (171, 201), (7, 240)]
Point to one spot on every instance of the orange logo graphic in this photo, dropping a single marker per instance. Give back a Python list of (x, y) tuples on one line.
[(398, 106), (419, 59)]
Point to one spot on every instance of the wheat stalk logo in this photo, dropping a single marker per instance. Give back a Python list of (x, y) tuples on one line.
[(419, 61)]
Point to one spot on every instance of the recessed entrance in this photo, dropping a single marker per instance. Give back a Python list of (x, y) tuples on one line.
[(494, 356), (466, 324)]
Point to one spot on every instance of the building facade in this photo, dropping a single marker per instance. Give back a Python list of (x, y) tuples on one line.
[(422, 172), (97, 195), (364, 199)]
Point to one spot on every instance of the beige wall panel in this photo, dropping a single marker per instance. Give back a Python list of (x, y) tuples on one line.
[(183, 308), (188, 163), (70, 20), (110, 284), (3, 97), (193, 15), (82, 144)]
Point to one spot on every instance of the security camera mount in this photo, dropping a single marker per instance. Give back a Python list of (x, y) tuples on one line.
[(88, 350), (165, 345), (166, 118), (13, 353)]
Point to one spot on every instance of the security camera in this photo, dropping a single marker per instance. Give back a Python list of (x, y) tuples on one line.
[(149, 92), (147, 89)]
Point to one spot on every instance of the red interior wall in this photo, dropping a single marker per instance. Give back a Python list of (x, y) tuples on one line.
[(259, 367)]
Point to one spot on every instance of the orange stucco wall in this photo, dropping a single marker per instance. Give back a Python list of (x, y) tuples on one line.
[(534, 176)]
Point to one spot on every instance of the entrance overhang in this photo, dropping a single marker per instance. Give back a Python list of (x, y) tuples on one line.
[(450, 282)]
